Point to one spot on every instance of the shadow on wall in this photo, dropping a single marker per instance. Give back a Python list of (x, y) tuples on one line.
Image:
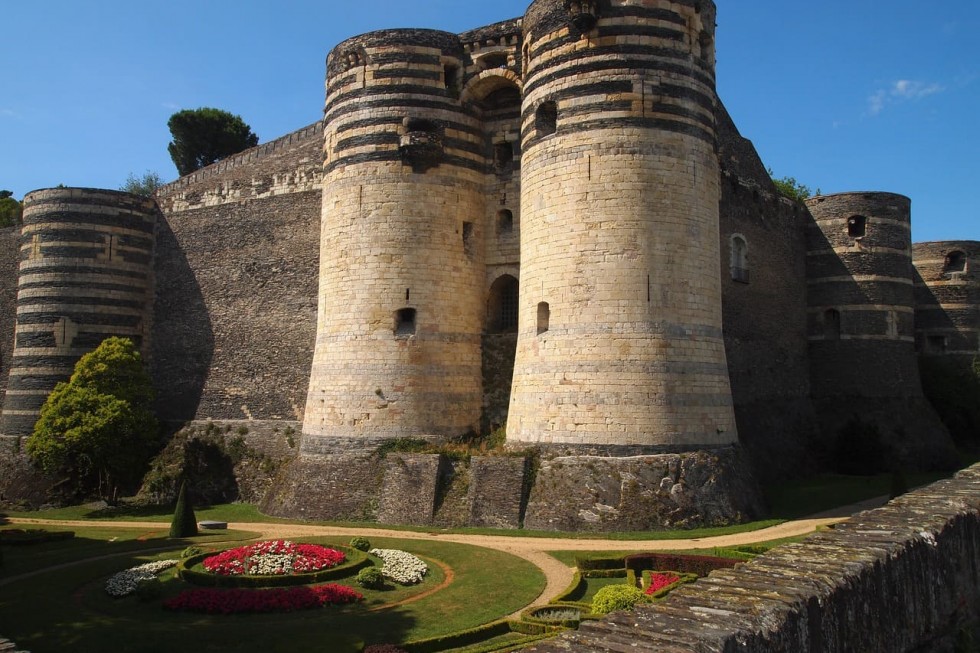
[(183, 339)]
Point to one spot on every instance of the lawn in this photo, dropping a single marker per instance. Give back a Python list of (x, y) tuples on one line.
[(67, 608)]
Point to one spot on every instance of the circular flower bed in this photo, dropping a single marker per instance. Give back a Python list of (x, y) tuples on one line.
[(401, 566), (273, 558), (125, 582), (236, 601)]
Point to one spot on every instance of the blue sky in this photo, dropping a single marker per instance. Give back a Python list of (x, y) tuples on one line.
[(843, 95)]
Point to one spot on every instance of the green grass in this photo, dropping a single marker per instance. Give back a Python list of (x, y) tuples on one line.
[(828, 491), (67, 609)]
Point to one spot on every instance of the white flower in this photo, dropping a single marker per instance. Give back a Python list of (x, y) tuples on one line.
[(125, 582), (401, 566)]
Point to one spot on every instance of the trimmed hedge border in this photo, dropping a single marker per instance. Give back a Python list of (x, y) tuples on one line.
[(605, 573), (471, 636), (574, 591), (355, 561), (589, 563), (700, 565)]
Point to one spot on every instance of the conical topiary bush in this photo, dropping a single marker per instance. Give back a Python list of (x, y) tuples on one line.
[(184, 523)]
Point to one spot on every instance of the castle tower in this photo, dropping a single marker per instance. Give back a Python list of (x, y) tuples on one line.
[(400, 305), (947, 297), (860, 328), (620, 334), (85, 275)]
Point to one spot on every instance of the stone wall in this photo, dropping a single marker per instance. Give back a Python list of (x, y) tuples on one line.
[(9, 258), (496, 491), (902, 579), (605, 494), (408, 491), (764, 308), (235, 309)]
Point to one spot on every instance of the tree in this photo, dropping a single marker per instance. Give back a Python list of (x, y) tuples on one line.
[(789, 187), (10, 210), (184, 523), (144, 186), (204, 136), (98, 429)]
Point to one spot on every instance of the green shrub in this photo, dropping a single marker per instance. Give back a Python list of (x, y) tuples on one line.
[(371, 578), (360, 543), (554, 615), (184, 523), (616, 597), (149, 590), (191, 551)]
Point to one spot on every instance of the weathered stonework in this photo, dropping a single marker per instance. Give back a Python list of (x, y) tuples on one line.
[(603, 494), (903, 579), (552, 223), (408, 491)]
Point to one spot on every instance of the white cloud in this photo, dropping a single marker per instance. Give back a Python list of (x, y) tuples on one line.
[(902, 90)]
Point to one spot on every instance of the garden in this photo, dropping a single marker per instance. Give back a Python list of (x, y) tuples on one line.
[(131, 590)]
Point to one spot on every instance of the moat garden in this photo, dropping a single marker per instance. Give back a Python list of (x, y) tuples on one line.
[(92, 578)]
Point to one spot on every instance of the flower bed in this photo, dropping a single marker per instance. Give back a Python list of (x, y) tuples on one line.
[(273, 558), (401, 566), (660, 580), (237, 601), (193, 569), (125, 582)]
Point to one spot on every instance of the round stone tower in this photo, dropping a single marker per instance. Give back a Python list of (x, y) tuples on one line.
[(401, 264), (860, 298), (947, 297), (620, 336), (86, 273), (861, 316)]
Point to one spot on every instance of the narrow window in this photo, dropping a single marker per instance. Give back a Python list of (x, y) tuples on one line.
[(831, 324), (468, 238), (450, 76), (936, 344), (544, 317), (955, 262), (546, 118), (505, 222), (405, 322), (857, 226), (502, 305), (740, 259)]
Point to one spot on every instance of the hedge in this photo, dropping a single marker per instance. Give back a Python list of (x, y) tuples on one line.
[(587, 562), (575, 590), (355, 561), (605, 573), (482, 633), (700, 565)]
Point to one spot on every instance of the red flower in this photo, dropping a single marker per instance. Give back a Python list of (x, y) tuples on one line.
[(658, 581), (233, 601)]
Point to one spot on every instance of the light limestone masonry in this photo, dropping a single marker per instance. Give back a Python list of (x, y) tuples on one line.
[(620, 339), (401, 268)]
